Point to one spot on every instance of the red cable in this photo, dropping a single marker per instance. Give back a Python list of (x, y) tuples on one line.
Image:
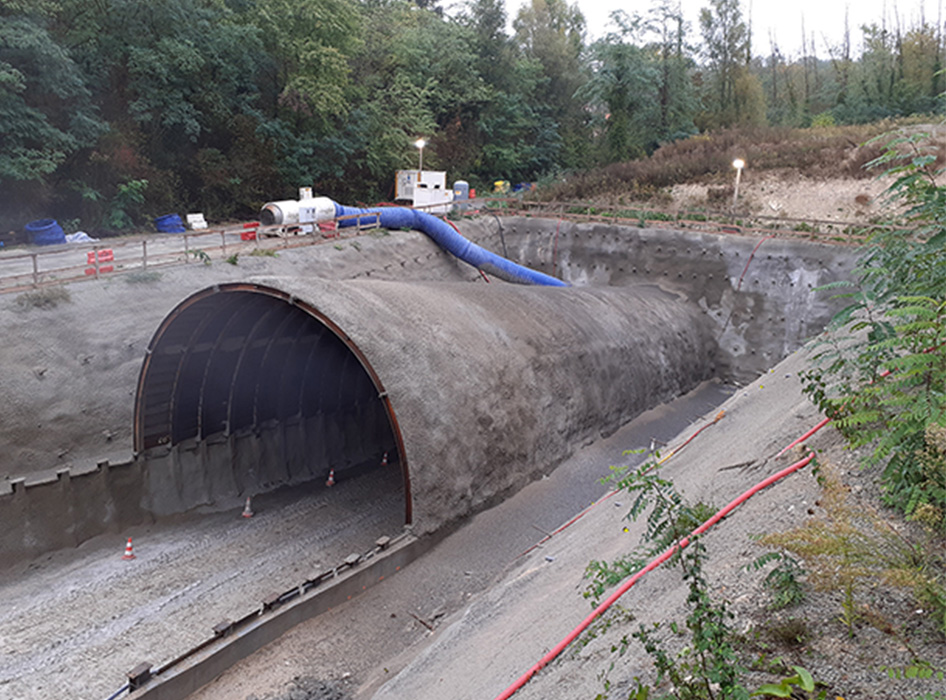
[(804, 437), (555, 248), (752, 255), (626, 586), (825, 421)]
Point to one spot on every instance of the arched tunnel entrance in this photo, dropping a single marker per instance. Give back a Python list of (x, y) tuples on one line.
[(245, 389), (251, 386)]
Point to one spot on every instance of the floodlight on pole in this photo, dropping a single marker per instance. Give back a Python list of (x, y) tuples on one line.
[(738, 164), (420, 143)]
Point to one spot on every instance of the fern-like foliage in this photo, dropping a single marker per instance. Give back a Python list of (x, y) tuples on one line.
[(880, 370)]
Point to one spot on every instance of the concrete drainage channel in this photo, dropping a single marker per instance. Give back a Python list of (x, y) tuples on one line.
[(233, 641)]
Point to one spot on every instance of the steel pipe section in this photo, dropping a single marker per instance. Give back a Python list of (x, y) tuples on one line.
[(477, 389)]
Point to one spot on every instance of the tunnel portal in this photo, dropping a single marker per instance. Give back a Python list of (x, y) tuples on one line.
[(245, 389)]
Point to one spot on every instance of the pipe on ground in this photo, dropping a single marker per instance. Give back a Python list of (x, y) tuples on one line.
[(653, 564)]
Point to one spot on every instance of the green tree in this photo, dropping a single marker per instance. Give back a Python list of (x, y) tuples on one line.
[(624, 89), (920, 70), (519, 139), (310, 43), (675, 92), (551, 32), (177, 81), (726, 47), (46, 112), (495, 55)]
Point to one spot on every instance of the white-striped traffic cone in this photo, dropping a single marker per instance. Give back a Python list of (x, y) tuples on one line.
[(331, 478), (247, 510), (129, 551), (384, 460)]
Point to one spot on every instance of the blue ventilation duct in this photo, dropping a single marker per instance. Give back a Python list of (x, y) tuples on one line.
[(323, 209), (444, 235)]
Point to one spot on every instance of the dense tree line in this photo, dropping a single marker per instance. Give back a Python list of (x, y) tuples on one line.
[(111, 110)]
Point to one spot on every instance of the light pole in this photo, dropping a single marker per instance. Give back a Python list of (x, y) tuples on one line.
[(420, 143), (738, 164)]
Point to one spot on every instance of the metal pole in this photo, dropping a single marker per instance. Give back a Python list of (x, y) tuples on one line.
[(144, 255), (735, 193)]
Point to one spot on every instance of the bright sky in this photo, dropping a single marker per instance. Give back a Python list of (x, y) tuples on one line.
[(783, 18)]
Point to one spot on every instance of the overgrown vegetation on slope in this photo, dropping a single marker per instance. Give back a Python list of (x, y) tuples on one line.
[(837, 151), (881, 371), (882, 379)]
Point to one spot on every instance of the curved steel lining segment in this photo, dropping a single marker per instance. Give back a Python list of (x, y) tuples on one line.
[(240, 360)]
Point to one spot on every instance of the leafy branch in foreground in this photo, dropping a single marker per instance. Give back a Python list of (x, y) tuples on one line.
[(707, 667), (880, 371), (782, 581)]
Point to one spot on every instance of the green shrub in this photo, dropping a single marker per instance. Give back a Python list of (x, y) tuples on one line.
[(880, 369), (43, 298)]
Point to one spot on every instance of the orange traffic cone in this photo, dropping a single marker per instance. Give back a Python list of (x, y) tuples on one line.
[(129, 552), (384, 460), (247, 510), (331, 478)]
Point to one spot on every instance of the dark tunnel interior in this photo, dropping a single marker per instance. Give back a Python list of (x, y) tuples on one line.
[(255, 383)]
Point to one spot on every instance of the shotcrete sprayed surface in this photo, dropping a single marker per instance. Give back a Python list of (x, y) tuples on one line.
[(461, 622)]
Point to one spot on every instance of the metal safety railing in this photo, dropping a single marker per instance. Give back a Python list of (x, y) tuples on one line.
[(739, 222), (33, 268)]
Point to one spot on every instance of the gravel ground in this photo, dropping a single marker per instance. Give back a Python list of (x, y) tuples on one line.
[(77, 620)]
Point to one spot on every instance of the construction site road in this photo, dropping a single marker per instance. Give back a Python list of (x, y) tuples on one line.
[(76, 621)]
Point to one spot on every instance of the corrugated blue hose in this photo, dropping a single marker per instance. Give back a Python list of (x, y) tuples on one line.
[(443, 235)]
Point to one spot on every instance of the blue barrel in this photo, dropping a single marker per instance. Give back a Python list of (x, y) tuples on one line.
[(461, 190), (169, 223), (44, 232)]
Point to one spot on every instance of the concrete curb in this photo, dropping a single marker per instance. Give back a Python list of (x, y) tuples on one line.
[(178, 679)]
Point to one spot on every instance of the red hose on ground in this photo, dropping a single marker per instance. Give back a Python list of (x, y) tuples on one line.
[(820, 425), (626, 586), (804, 437)]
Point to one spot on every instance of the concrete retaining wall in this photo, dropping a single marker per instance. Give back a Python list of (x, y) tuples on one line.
[(761, 302)]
